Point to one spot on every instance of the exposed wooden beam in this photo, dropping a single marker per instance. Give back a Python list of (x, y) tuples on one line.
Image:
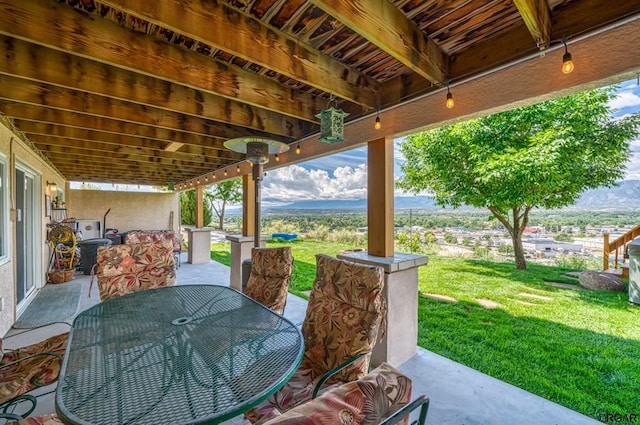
[(59, 26), (110, 150), (384, 25), (19, 90), (255, 42), (537, 18), (114, 139), (40, 64), (96, 162), (25, 112)]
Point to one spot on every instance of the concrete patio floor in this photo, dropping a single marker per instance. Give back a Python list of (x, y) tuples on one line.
[(459, 395)]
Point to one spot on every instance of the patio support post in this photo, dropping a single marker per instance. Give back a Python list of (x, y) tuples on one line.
[(241, 245), (400, 270), (199, 206)]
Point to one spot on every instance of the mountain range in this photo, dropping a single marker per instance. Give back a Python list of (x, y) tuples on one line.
[(624, 196)]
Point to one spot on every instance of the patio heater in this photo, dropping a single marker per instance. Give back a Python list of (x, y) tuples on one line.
[(258, 151)]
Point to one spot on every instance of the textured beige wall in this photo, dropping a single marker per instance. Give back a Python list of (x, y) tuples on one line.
[(129, 210), (15, 151)]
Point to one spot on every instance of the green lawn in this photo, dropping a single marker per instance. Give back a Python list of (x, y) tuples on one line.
[(578, 348)]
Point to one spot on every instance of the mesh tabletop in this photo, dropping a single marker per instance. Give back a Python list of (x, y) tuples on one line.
[(177, 355)]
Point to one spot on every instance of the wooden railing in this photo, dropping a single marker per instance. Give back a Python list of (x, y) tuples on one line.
[(618, 246)]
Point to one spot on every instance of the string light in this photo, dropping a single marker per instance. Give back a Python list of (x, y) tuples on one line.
[(567, 63), (206, 178), (378, 124), (225, 172), (214, 176), (298, 149), (237, 169), (277, 158), (449, 103)]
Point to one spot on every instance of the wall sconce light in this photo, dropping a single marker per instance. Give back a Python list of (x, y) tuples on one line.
[(567, 63), (449, 103), (52, 186)]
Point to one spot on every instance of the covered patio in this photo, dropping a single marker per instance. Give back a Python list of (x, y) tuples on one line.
[(139, 92), (459, 394)]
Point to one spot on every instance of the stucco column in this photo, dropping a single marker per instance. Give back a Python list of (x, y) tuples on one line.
[(401, 295), (199, 241), (241, 247)]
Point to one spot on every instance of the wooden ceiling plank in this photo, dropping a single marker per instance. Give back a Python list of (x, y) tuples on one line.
[(59, 26), (74, 133), (110, 149), (537, 18), (116, 162), (256, 42), (388, 28), (38, 63), (19, 90), (23, 112)]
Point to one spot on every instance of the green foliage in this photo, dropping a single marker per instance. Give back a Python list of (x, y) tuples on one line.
[(409, 242), (347, 236), (221, 194), (319, 232), (280, 226), (188, 209), (450, 238), (563, 237), (543, 155), (505, 249)]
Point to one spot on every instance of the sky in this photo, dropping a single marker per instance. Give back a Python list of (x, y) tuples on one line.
[(344, 175)]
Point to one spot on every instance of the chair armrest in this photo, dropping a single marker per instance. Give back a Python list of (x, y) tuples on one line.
[(8, 408), (422, 402), (44, 353), (33, 329), (335, 370)]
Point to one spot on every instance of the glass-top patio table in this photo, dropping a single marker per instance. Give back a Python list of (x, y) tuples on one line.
[(191, 354)]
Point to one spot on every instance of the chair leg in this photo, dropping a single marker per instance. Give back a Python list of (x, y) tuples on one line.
[(21, 406)]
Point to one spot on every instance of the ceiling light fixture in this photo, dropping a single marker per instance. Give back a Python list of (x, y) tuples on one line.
[(258, 151), (449, 103), (567, 62)]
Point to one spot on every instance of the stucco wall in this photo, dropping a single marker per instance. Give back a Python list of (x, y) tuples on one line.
[(129, 210), (15, 151)]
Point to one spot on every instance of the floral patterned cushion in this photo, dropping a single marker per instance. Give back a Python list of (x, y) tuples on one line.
[(369, 400), (50, 419), (343, 316), (148, 236), (270, 277), (122, 269), (34, 372)]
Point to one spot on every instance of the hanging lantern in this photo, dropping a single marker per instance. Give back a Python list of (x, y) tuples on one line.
[(332, 124)]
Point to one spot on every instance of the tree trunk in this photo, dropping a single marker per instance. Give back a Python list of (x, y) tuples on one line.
[(221, 217), (518, 250)]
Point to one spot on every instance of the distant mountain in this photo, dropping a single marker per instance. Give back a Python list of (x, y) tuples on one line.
[(625, 196)]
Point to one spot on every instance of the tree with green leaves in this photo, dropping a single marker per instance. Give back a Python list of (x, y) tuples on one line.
[(188, 209), (222, 194), (539, 156)]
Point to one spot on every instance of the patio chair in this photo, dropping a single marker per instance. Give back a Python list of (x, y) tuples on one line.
[(148, 236), (345, 311), (380, 397), (25, 369), (270, 277), (122, 269)]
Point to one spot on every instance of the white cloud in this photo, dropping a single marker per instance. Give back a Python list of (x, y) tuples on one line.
[(625, 100), (294, 183)]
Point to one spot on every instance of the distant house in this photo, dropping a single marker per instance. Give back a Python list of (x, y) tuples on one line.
[(550, 245)]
